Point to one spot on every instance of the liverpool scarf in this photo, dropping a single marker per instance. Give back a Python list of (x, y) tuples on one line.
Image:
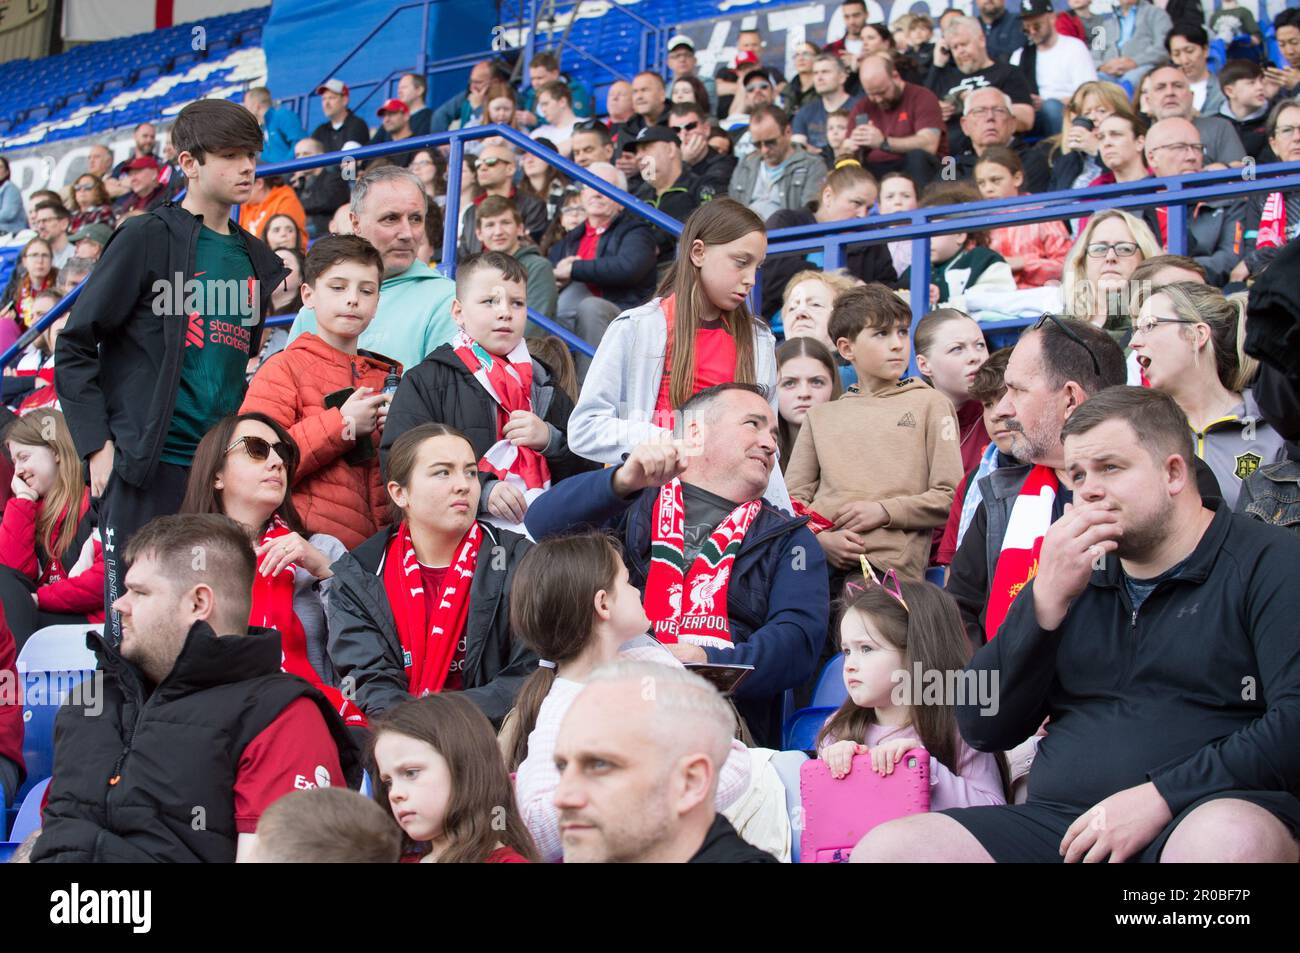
[(704, 585), (1272, 222), (509, 381), (1031, 515), (429, 642), (273, 609)]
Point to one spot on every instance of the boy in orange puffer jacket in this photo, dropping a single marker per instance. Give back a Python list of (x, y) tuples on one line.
[(329, 395)]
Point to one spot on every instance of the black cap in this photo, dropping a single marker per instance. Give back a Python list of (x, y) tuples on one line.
[(652, 134), (1035, 8)]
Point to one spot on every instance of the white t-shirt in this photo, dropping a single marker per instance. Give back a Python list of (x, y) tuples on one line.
[(557, 134), (1062, 69), (1199, 91)]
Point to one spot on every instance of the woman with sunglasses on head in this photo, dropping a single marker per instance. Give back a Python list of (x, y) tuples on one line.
[(1095, 278), (243, 468), (424, 606), (91, 203), (1189, 340)]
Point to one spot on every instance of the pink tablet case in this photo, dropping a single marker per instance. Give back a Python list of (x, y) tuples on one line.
[(837, 814)]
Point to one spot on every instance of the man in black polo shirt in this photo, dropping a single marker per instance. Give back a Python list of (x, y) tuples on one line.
[(677, 191)]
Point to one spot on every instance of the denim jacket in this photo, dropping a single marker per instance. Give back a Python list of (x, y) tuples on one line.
[(1272, 495)]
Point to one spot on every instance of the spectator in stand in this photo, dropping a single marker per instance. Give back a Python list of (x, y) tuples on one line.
[(245, 468), (421, 607), (542, 181), (544, 68), (395, 120), (618, 104), (1286, 76), (904, 128), (1273, 218), (438, 771), (99, 162), (604, 265), (764, 611), (987, 121), (690, 123), (838, 144), (1035, 251), (270, 197), (806, 376), (460, 110), (776, 176), (51, 221), (341, 221), (1221, 787), (806, 310), (13, 219), (676, 190), (555, 103), (950, 349), (1188, 46), (146, 192), (757, 89), (51, 559), (144, 145), (1122, 139), (81, 264), (689, 89), (500, 228), (1189, 341), (570, 216), (320, 191), (847, 192), (501, 109), (342, 128), (591, 143), (1002, 31), (287, 298), (92, 203), (672, 746), (281, 231), (960, 261), (1170, 96), (410, 90), (886, 509), (495, 173), (1058, 65), (1074, 156), (1173, 147), (683, 65), (799, 92), (649, 109), (963, 64), (899, 193), (849, 47), (326, 826), (1134, 36), (281, 129), (36, 274), (253, 729), (338, 489), (1096, 280), (414, 316), (810, 121), (1246, 106)]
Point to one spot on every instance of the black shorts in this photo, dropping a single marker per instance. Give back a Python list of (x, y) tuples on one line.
[(1032, 833)]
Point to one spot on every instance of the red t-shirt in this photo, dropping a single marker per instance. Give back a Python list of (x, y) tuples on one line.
[(918, 109), (432, 579), (715, 363), (948, 537), (587, 244), (295, 752), (506, 855)]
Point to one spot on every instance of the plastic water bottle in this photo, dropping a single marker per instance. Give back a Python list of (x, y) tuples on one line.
[(391, 381)]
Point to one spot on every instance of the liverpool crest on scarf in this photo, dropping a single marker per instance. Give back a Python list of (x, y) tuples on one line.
[(1031, 515), (691, 605)]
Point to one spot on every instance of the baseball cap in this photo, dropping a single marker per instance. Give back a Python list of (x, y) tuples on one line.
[(1035, 8), (394, 106), (681, 39), (746, 58), (142, 162), (333, 86), (94, 231), (652, 134)]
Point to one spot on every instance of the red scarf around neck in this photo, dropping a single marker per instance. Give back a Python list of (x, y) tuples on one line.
[(1031, 515), (1272, 222), (273, 609), (429, 644), (704, 587)]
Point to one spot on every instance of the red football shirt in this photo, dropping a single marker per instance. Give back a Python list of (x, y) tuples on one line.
[(294, 752), (715, 363)]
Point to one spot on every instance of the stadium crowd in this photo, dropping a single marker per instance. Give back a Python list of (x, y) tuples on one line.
[(411, 535)]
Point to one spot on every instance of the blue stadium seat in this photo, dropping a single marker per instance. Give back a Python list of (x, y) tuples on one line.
[(934, 575), (830, 691), (801, 731), (29, 815), (52, 663)]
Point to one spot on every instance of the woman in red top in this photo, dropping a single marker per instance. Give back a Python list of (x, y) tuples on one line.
[(437, 767), (950, 348), (54, 566)]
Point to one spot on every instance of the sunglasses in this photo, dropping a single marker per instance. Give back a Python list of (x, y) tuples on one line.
[(687, 127), (754, 87), (259, 449), (84, 187), (1073, 336), (766, 143), (490, 161)]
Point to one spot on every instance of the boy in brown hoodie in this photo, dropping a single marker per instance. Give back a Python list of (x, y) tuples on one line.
[(883, 461)]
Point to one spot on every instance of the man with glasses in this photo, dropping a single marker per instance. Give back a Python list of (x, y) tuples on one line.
[(51, 221), (1273, 218), (987, 121), (897, 126), (758, 90), (810, 121), (712, 167), (1170, 95), (1056, 65), (962, 64), (776, 176), (496, 176), (1173, 147)]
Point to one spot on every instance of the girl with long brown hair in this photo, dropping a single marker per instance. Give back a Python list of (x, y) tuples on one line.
[(897, 638), (53, 563), (437, 768), (806, 377), (573, 605), (697, 332)]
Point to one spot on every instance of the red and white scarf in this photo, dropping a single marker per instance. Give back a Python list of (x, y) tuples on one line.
[(703, 588), (1031, 515), (1272, 222), (509, 380), (429, 642), (273, 609)]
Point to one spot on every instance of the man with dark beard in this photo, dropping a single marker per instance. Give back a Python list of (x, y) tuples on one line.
[(1157, 638)]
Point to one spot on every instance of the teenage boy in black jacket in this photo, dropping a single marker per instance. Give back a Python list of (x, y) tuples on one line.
[(157, 350)]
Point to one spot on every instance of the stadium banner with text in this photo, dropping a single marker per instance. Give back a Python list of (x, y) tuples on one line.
[(88, 20), (57, 164), (14, 13)]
